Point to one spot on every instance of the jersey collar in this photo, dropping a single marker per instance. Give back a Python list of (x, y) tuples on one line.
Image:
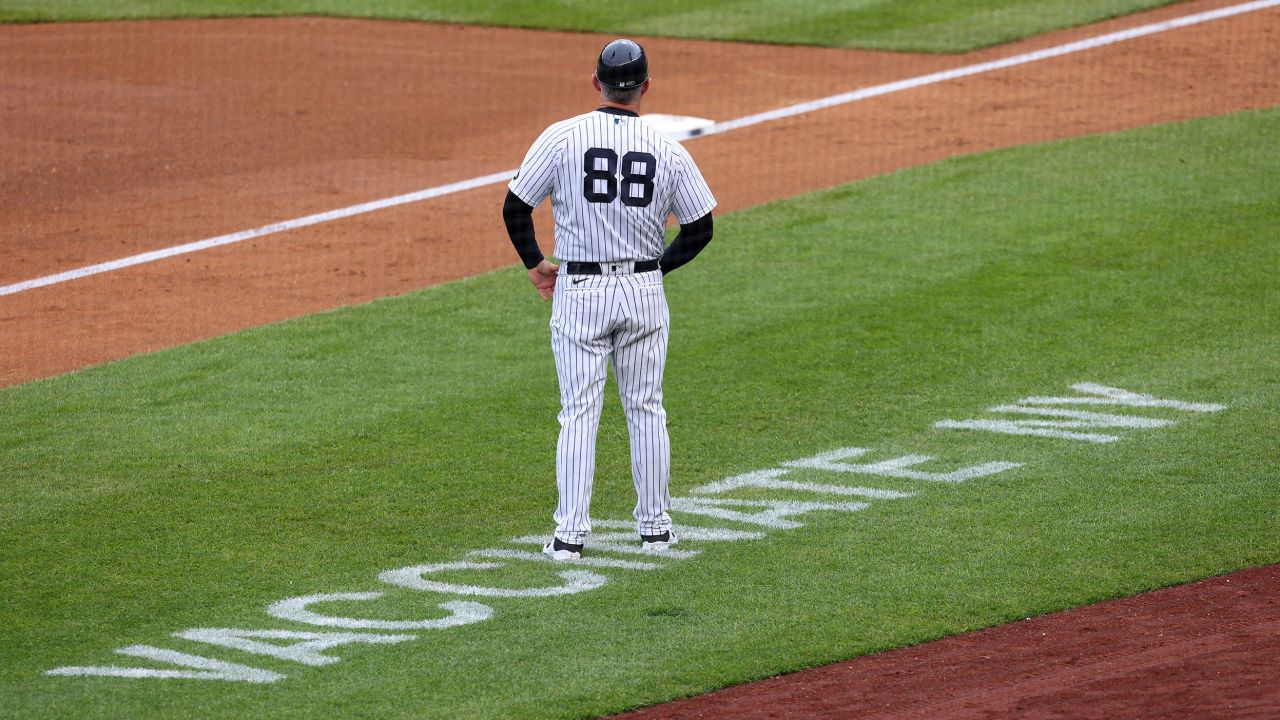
[(616, 111)]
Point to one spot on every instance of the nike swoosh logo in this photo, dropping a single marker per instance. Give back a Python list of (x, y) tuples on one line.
[(579, 280)]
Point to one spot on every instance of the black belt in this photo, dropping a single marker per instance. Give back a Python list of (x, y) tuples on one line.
[(590, 268)]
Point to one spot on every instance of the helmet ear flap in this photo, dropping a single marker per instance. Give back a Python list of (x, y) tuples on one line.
[(622, 65)]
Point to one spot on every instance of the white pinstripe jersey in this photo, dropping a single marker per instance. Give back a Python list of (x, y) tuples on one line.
[(613, 180)]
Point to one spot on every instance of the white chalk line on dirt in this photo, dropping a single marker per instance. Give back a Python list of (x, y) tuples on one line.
[(727, 126)]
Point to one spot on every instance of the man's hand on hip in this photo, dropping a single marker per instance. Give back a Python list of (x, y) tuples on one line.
[(543, 277)]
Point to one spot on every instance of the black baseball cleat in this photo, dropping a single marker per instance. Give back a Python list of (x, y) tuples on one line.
[(658, 543), (561, 551)]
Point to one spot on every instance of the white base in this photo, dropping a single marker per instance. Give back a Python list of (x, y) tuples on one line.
[(678, 127)]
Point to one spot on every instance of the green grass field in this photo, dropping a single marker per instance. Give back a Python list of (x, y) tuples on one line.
[(916, 25), (195, 487)]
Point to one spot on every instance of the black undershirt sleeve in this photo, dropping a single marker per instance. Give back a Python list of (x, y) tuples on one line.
[(518, 216), (689, 242)]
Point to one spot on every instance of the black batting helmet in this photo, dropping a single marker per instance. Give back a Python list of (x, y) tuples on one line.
[(622, 65)]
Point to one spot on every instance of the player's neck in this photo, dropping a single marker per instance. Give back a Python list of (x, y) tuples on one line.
[(633, 108)]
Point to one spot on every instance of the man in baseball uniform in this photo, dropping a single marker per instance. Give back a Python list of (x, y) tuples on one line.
[(613, 181)]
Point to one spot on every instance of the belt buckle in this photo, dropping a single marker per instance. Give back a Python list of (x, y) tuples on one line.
[(616, 268)]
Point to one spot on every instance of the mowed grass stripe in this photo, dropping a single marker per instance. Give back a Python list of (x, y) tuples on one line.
[(914, 25), (193, 487)]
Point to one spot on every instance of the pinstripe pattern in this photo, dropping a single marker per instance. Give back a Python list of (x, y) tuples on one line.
[(622, 318), (613, 182), (604, 232)]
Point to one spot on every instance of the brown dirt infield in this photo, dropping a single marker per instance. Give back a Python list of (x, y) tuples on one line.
[(122, 138), (1205, 650)]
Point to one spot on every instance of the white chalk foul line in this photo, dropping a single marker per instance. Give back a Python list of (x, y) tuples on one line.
[(780, 113), (968, 70), (260, 231)]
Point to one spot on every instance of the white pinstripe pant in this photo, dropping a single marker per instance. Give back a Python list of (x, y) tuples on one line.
[(596, 318)]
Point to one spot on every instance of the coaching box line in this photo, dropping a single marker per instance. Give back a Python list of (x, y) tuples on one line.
[(717, 128), (706, 501)]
